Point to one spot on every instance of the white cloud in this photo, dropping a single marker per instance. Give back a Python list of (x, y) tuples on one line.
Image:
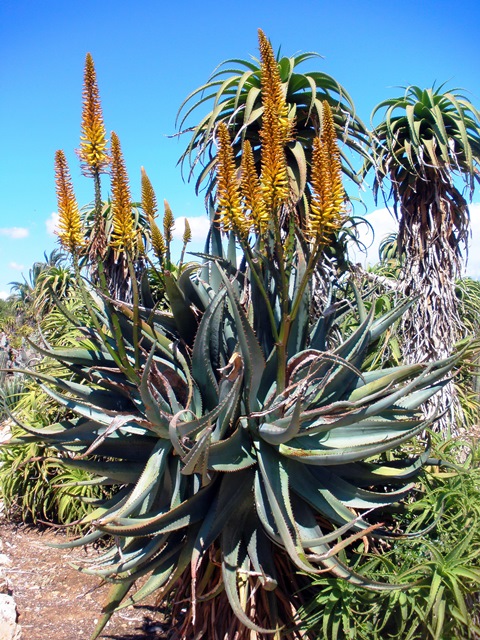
[(16, 233), (199, 226), (3, 295), (16, 266), (384, 223), (52, 223)]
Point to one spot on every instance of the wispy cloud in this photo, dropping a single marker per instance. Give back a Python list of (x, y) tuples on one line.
[(3, 295), (15, 233), (52, 223), (382, 223), (16, 266)]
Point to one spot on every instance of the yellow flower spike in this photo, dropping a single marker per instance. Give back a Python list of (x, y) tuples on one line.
[(230, 214), (93, 140), (273, 93), (123, 234), (149, 199), (187, 234), (276, 130), (158, 242), (168, 223), (329, 138), (327, 203), (69, 223), (251, 191)]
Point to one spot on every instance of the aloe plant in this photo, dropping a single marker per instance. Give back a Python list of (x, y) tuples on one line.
[(246, 440), (210, 455)]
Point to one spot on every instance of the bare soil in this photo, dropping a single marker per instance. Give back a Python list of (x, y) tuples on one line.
[(57, 602)]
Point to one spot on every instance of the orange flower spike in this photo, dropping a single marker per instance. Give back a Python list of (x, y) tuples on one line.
[(275, 131), (123, 234), (93, 140), (168, 222), (327, 203), (251, 191), (158, 241), (272, 89), (149, 199), (329, 138), (230, 212), (69, 223), (187, 233)]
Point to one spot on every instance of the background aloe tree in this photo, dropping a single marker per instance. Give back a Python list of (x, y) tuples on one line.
[(427, 144), (234, 92)]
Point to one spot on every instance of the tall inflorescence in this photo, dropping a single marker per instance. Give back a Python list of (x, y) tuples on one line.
[(251, 192), (69, 223), (168, 222), (149, 199), (123, 234), (187, 233), (149, 206), (327, 206), (230, 213), (276, 130), (93, 140)]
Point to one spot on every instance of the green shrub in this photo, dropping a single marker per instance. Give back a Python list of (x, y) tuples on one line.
[(442, 565)]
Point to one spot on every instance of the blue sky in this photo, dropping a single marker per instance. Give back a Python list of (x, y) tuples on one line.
[(150, 55)]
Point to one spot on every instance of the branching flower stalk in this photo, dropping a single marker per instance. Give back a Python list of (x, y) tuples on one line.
[(93, 153), (232, 212), (247, 204)]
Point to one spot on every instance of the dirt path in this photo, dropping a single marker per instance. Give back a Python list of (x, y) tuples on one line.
[(56, 602)]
